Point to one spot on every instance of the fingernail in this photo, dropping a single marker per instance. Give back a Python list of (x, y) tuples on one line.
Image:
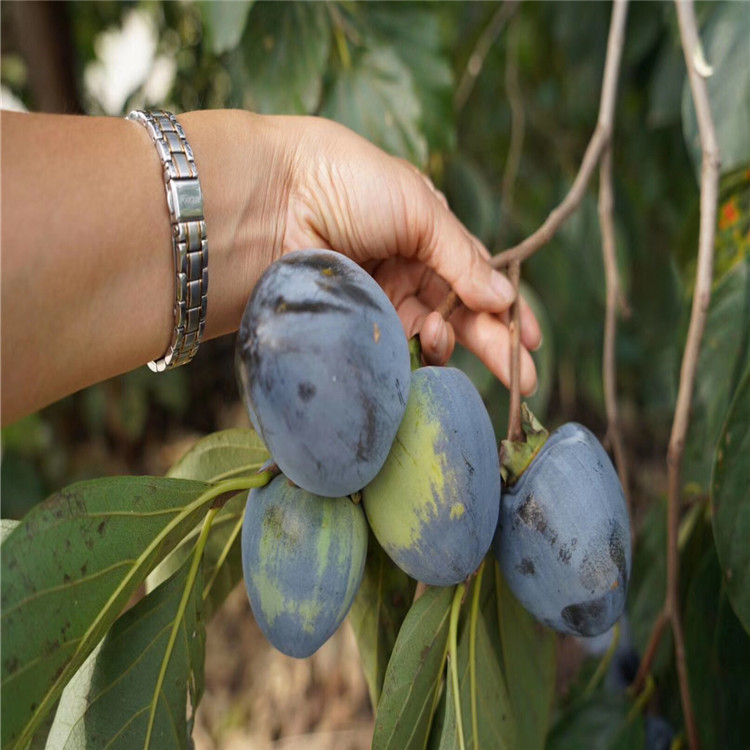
[(501, 287), (441, 342)]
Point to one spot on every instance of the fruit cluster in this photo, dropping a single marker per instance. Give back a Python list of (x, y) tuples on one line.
[(324, 369)]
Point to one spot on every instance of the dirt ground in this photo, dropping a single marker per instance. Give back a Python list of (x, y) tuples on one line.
[(258, 699)]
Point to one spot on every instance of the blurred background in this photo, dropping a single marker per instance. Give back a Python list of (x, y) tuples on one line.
[(497, 102)]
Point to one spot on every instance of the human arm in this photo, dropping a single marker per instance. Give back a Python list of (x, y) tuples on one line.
[(87, 274)]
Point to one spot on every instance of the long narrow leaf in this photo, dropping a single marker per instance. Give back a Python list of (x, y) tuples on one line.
[(414, 673), (107, 702), (69, 569)]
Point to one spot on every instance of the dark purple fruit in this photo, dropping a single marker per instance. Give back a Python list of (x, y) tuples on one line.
[(563, 539), (323, 364)]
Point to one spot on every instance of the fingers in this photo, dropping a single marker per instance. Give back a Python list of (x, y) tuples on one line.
[(489, 339), (443, 244), (437, 338)]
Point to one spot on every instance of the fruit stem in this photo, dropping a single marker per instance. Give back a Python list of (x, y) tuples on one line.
[(453, 650), (603, 665), (515, 433), (200, 545), (473, 654)]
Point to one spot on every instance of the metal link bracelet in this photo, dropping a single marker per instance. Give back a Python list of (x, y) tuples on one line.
[(189, 244)]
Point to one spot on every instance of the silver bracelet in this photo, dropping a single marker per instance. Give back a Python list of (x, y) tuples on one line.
[(189, 244)]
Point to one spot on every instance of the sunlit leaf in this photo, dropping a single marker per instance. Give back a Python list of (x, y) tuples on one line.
[(221, 455), (285, 50), (225, 20), (730, 502), (110, 699), (69, 568), (414, 673), (375, 96), (383, 599)]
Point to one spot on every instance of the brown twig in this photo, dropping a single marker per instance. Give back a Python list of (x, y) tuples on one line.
[(709, 192), (517, 129), (599, 141), (614, 295), (481, 49), (514, 415)]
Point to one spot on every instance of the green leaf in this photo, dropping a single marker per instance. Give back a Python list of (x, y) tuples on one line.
[(225, 21), (109, 699), (725, 353), (444, 732), (725, 44), (415, 35), (529, 665), (414, 673), (70, 567), (495, 712), (222, 561), (717, 650), (376, 97), (221, 455), (6, 526), (286, 49), (648, 581), (730, 502), (382, 602), (599, 723), (217, 456)]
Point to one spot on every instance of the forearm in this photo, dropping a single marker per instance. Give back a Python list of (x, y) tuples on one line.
[(87, 267)]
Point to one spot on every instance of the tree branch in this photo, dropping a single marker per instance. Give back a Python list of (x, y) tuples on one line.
[(599, 140), (614, 296), (481, 49), (709, 192)]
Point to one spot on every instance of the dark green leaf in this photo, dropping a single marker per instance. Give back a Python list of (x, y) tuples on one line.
[(444, 732), (414, 673), (496, 720), (730, 502), (111, 697), (286, 48), (725, 352), (648, 582), (221, 455), (376, 97), (725, 44), (225, 21), (529, 656), (599, 723), (718, 652), (383, 599), (70, 567)]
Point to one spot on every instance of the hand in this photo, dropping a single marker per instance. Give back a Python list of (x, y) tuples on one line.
[(347, 195)]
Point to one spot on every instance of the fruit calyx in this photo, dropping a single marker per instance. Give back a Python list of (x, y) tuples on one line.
[(517, 455)]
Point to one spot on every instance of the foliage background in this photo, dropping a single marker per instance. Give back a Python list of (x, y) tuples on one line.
[(395, 73)]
